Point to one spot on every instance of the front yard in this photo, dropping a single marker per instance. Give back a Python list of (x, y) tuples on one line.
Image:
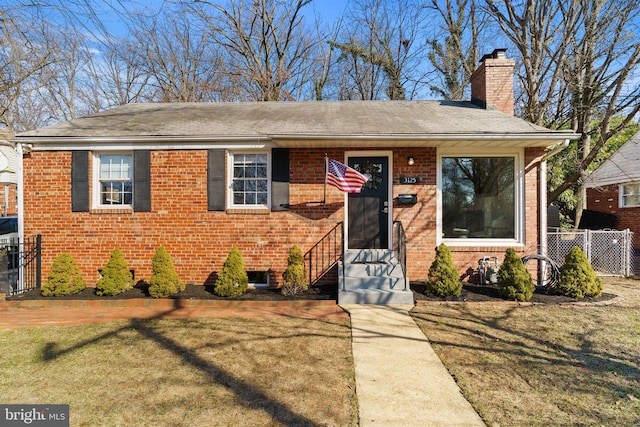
[(545, 364), (205, 372), (542, 365)]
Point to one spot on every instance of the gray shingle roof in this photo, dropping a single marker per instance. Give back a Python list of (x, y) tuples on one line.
[(414, 119), (623, 166)]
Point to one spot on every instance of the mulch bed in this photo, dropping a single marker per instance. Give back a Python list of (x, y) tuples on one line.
[(470, 293), (325, 292)]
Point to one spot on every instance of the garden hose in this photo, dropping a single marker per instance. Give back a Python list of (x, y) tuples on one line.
[(548, 280)]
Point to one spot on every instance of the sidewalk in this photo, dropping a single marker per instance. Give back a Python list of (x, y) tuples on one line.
[(399, 379)]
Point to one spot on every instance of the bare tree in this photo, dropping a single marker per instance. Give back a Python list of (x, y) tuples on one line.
[(267, 50), (455, 60), (180, 61), (383, 47), (120, 75), (539, 30), (24, 53), (579, 59), (599, 70)]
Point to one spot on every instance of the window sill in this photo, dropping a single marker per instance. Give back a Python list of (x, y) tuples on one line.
[(472, 244), (112, 211), (245, 211)]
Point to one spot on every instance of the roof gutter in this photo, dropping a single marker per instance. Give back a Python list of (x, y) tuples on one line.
[(285, 137), (556, 149)]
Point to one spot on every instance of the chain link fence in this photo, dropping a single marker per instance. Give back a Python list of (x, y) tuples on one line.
[(610, 252)]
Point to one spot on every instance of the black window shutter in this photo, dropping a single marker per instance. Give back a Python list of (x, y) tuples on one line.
[(280, 179), (142, 181), (215, 180), (79, 181)]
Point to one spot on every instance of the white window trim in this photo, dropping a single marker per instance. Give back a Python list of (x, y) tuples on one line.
[(230, 157), (519, 212), (95, 189), (621, 203)]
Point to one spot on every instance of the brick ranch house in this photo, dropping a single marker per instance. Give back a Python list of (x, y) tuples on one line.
[(200, 178), (614, 188)]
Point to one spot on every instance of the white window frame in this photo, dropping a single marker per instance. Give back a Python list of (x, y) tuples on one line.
[(96, 187), (622, 195), (230, 158), (519, 211)]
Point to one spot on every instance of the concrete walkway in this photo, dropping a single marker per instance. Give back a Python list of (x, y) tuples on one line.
[(399, 379)]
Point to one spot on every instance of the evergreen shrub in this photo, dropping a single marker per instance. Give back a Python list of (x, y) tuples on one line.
[(514, 280), (577, 278), (64, 278), (295, 276), (232, 280), (164, 280), (443, 279), (116, 276)]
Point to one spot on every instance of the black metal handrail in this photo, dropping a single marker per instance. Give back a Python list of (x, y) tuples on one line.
[(400, 248), (325, 254)]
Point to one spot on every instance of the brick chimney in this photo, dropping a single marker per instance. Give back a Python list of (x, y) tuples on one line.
[(492, 82)]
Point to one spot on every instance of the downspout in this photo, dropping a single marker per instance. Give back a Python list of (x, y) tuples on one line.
[(20, 195), (542, 186)]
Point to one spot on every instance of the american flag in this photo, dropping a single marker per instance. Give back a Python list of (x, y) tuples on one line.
[(344, 178)]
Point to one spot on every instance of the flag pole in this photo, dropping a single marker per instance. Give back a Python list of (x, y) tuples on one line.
[(326, 166)]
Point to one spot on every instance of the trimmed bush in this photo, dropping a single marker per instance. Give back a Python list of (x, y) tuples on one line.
[(233, 280), (514, 280), (295, 276), (444, 280), (64, 278), (164, 280), (116, 276), (578, 279)]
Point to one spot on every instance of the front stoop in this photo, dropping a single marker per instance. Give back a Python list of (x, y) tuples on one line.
[(372, 277)]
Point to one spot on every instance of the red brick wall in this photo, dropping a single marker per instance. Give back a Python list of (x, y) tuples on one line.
[(606, 199), (199, 240), (11, 191)]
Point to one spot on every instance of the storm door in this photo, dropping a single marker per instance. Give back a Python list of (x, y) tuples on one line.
[(369, 210)]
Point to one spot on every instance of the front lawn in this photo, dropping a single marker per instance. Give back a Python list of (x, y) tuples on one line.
[(543, 365), (205, 372)]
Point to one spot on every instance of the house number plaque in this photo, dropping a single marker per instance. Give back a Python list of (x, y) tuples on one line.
[(409, 180)]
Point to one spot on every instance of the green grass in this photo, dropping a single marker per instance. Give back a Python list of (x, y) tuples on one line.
[(205, 372), (544, 365)]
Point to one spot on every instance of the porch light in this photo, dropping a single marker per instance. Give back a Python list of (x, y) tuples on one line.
[(410, 161)]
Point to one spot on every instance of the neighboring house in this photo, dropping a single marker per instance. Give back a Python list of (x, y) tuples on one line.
[(8, 176), (614, 188), (200, 178)]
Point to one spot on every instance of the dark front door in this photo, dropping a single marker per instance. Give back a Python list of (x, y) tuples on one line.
[(369, 210)]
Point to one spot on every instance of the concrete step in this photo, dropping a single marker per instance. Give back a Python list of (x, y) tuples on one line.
[(368, 256), (373, 270), (375, 296), (376, 282), (381, 283)]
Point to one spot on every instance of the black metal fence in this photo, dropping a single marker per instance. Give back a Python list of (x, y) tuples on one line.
[(18, 257)]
